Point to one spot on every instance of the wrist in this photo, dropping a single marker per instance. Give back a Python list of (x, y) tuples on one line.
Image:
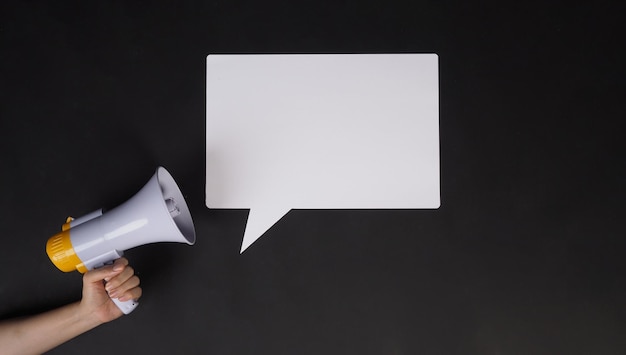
[(86, 316)]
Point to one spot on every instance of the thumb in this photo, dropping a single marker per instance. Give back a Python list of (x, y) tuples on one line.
[(106, 272)]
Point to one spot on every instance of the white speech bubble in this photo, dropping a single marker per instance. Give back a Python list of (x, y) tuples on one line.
[(355, 131)]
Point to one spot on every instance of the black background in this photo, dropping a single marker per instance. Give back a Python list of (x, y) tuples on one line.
[(525, 255)]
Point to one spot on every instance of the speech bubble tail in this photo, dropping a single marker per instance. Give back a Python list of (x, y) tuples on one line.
[(259, 221)]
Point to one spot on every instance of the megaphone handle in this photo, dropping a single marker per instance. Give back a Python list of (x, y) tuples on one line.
[(125, 306)]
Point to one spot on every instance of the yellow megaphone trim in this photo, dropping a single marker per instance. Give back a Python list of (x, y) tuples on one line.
[(61, 252)]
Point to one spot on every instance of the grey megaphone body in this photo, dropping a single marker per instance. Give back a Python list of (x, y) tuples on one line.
[(157, 213)]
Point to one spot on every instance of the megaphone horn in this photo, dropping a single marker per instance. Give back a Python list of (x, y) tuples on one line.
[(157, 213)]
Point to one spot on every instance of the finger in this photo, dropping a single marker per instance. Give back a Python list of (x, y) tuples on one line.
[(115, 281), (117, 267), (131, 283), (120, 263), (104, 273), (132, 294)]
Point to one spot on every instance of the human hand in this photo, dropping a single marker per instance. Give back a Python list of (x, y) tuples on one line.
[(112, 281)]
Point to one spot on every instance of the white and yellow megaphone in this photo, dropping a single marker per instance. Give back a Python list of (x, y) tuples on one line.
[(157, 213)]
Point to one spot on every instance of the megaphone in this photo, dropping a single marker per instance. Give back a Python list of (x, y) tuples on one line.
[(157, 213)]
